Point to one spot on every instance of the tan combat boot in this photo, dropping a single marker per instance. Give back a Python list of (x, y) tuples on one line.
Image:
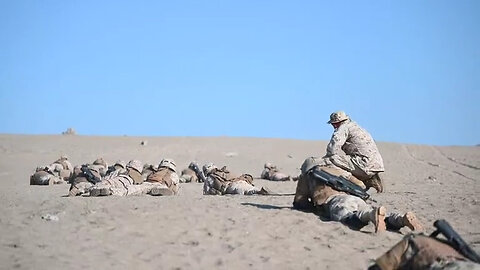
[(411, 221), (377, 216), (264, 191), (161, 191), (376, 182)]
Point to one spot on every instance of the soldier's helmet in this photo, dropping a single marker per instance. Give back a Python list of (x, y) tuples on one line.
[(136, 165), (308, 164), (208, 168), (64, 157), (120, 163), (338, 117), (268, 165), (168, 163), (192, 165), (100, 161)]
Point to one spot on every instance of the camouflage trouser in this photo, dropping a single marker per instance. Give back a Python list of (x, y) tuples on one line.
[(353, 164), (241, 187), (79, 188), (133, 190), (342, 206), (127, 189)]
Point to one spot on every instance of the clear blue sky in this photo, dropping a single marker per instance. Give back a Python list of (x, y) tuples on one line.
[(408, 71)]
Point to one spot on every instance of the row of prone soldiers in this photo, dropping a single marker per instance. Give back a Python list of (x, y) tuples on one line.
[(135, 178), (320, 188)]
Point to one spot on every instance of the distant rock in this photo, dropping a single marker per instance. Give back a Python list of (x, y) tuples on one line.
[(69, 131), (144, 143), (231, 154), (50, 217)]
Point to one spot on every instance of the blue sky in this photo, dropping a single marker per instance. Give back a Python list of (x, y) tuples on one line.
[(408, 71)]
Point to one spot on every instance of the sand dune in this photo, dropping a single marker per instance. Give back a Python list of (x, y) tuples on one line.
[(192, 231)]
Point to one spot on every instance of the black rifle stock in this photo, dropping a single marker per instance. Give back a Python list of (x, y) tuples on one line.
[(454, 239), (198, 172), (339, 183), (89, 175)]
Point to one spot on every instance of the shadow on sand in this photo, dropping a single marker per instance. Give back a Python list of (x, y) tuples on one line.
[(267, 206)]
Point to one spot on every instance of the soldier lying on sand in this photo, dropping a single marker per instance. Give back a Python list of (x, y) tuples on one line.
[(336, 203), (219, 182)]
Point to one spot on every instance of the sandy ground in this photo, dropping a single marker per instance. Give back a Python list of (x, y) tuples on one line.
[(193, 231)]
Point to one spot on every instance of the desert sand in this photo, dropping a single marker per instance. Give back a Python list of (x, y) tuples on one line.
[(193, 231)]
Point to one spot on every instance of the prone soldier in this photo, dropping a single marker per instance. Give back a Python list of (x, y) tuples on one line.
[(329, 191), (165, 180), (147, 170), (270, 172), (85, 176), (57, 172), (418, 251), (219, 182)]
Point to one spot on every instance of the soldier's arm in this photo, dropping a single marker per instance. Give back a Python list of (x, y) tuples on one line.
[(338, 139)]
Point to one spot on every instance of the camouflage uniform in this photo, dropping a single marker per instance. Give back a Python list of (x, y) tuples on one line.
[(418, 252), (362, 156), (343, 207), (131, 183), (219, 182), (147, 170), (45, 176), (270, 172), (57, 172), (65, 169), (165, 180), (118, 167), (85, 176), (101, 165)]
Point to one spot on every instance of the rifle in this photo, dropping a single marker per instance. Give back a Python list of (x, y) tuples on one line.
[(339, 183), (454, 240), (198, 171), (89, 175)]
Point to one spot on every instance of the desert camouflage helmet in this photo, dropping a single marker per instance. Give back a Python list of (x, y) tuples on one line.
[(309, 163), (338, 117), (100, 161), (120, 163), (168, 163), (136, 165), (65, 157), (209, 167), (268, 165)]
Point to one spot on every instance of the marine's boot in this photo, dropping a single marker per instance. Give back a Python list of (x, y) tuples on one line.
[(396, 221), (263, 191), (376, 182), (377, 217), (161, 191), (411, 221)]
